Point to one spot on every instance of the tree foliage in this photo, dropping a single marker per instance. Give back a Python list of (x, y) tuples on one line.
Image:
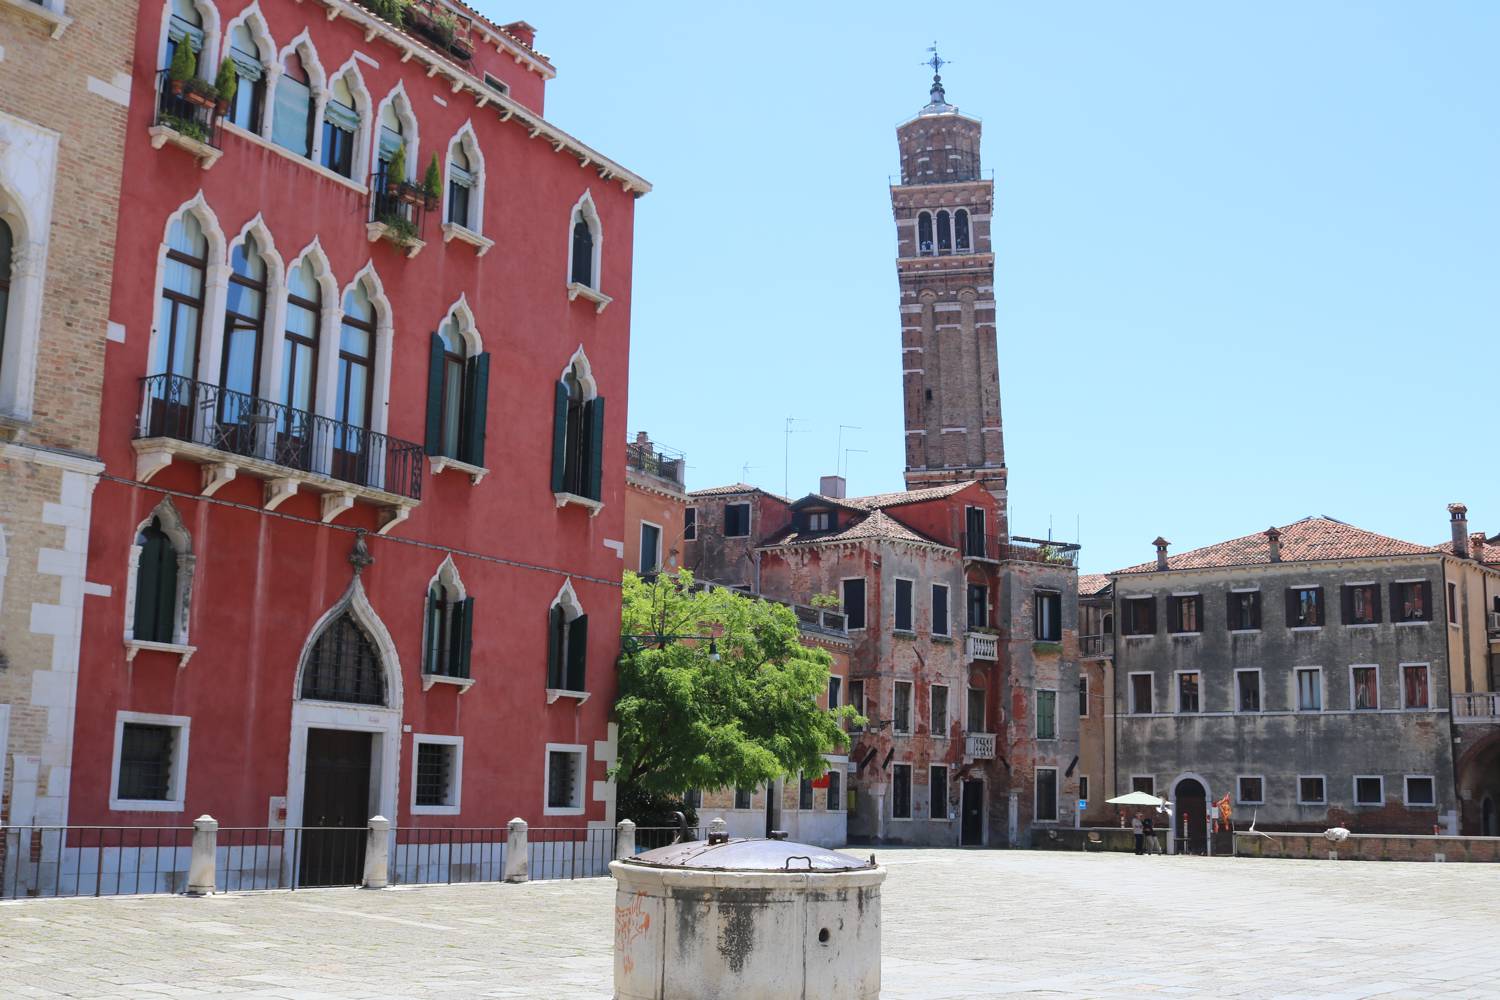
[(748, 719)]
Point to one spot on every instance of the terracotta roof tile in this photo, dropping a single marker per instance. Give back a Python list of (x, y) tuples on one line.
[(879, 501), (1090, 584), (732, 489), (1489, 552), (1309, 539), (876, 527)]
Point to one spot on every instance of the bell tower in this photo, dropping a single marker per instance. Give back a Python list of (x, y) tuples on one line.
[(950, 372)]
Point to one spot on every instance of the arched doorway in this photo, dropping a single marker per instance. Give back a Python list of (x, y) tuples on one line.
[(1479, 782), (345, 742), (1189, 826), (1489, 821)]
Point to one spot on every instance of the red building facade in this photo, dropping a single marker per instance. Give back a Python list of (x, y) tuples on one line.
[(357, 546)]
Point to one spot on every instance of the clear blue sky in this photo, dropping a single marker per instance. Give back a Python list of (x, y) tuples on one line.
[(1248, 256)]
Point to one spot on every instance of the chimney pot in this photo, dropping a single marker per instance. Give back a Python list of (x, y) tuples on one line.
[(833, 486), (1459, 522), (1273, 539), (1161, 552)]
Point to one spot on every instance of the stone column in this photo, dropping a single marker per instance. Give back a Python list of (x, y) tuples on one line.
[(378, 854), (516, 866), (624, 839), (202, 869)]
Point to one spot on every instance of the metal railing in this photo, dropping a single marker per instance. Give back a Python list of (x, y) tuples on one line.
[(981, 646), (47, 861), (821, 619), (1479, 706), (448, 855), (184, 409), (1040, 550), (931, 250), (974, 545), (186, 113), (569, 852), (1096, 645), (644, 458), (945, 167), (399, 203)]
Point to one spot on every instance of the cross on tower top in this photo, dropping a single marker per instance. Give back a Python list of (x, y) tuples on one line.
[(937, 63)]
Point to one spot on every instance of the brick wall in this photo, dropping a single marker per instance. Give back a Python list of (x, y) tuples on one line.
[(1367, 847)]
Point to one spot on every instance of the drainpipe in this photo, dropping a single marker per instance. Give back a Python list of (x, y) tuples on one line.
[(1119, 651)]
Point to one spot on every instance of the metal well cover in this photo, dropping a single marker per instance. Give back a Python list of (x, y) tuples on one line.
[(752, 854)]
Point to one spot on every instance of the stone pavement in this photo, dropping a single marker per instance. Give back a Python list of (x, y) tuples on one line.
[(971, 924)]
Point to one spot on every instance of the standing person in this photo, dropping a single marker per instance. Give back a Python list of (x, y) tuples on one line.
[(1149, 828), (1136, 828)]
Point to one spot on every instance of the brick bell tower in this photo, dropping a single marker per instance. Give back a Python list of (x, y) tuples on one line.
[(950, 372)]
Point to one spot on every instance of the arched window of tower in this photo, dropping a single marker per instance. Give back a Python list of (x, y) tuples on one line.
[(924, 233), (945, 233), (961, 230)]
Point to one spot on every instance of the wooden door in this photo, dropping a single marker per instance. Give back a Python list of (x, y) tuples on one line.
[(335, 807), (972, 833)]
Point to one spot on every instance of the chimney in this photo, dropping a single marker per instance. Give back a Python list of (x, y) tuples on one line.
[(1273, 539), (832, 486), (1161, 552), (1477, 543), (521, 31), (1459, 522)]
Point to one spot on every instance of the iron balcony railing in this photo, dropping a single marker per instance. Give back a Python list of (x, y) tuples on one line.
[(236, 423), (1096, 645), (979, 546), (399, 204), (655, 463), (1040, 550), (1481, 707), (185, 111)]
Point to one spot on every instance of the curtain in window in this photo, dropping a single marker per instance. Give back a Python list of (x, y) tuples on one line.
[(155, 586), (1416, 686), (291, 125)]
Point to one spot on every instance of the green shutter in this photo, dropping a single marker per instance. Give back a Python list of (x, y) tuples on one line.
[(559, 437), (156, 588), (578, 646), (594, 420), (435, 396), (475, 413), (555, 626), (463, 637), (434, 634)]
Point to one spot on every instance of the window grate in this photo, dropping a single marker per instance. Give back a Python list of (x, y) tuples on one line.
[(562, 779), (146, 762), (343, 666), (434, 774)]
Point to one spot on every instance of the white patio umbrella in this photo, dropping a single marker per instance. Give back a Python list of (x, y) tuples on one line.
[(1137, 799)]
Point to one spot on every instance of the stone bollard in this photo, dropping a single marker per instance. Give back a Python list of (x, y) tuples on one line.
[(378, 854), (516, 866), (202, 868), (624, 839)]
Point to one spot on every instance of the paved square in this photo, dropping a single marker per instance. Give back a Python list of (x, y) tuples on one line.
[(956, 924)]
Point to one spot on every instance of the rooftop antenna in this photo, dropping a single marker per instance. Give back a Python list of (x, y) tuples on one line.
[(786, 453), (838, 454), (745, 471), (847, 453)]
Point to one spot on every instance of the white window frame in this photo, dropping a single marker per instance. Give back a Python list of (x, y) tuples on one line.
[(1238, 789), (183, 725), (586, 208), (1194, 594), (496, 84), (1354, 790), (466, 138), (911, 707), (1304, 802), (1247, 631), (947, 788), (968, 722), (1036, 798), (1084, 691), (947, 632), (1260, 689), (1361, 583), (749, 511), (932, 702), (580, 751), (1415, 621), (656, 561), (910, 793), (1297, 695), (1406, 791), (864, 618), (911, 625), (455, 775), (1036, 717), (1364, 666), (1130, 691), (1177, 676), (1083, 788), (1401, 673), (835, 679), (1036, 610)]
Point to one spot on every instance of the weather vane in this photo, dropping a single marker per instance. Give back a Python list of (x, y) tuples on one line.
[(937, 62)]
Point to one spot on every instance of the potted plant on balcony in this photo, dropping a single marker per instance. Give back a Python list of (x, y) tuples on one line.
[(200, 92), (432, 185), (398, 228), (444, 29), (184, 65), (226, 83), (395, 171)]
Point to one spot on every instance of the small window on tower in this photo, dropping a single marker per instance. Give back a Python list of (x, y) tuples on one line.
[(944, 233), (961, 230), (924, 233)]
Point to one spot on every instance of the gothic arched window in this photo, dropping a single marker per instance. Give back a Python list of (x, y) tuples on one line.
[(583, 251), (155, 586), (344, 666), (291, 124), (450, 626), (567, 643), (249, 102), (7, 248), (924, 233), (577, 437), (945, 235), (961, 230)]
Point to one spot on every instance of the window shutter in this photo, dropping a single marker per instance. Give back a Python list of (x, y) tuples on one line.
[(435, 396), (463, 636), (1426, 600), (1375, 597), (476, 413), (578, 648), (1396, 608), (594, 419), (1346, 605), (559, 436), (555, 626), (1255, 609), (156, 589), (430, 662), (1291, 609), (1151, 616)]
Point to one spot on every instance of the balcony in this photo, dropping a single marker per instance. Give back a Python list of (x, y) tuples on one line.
[(982, 547), (1493, 625), (1096, 647), (1481, 707), (822, 620), (397, 211), (981, 646), (187, 118), (230, 432), (1040, 550), (979, 746), (444, 29), (641, 457)]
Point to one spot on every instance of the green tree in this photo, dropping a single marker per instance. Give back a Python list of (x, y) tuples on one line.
[(432, 181), (688, 721), (184, 62)]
